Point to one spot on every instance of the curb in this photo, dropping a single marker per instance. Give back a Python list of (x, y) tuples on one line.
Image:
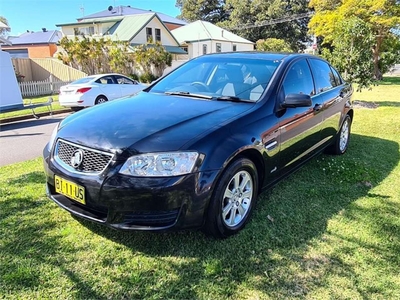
[(31, 116)]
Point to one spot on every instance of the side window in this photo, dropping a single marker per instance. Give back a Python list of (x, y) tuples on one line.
[(337, 77), (105, 80), (124, 80), (324, 78), (298, 79)]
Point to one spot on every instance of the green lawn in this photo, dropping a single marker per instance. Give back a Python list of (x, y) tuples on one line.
[(329, 231)]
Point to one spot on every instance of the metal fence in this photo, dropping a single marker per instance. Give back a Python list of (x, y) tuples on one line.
[(40, 88)]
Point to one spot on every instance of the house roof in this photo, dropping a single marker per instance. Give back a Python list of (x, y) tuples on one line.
[(126, 11), (170, 49), (94, 21), (203, 31), (130, 26), (39, 37)]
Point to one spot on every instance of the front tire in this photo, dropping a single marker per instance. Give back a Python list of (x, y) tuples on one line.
[(233, 199)]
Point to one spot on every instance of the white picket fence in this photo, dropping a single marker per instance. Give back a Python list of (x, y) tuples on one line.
[(40, 88)]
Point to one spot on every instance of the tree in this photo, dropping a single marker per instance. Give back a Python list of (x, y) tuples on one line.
[(273, 44), (212, 11), (95, 56), (4, 31), (234, 15), (381, 16), (151, 59), (348, 53)]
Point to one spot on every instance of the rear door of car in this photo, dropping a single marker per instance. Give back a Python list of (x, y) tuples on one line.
[(333, 91), (109, 87), (300, 128)]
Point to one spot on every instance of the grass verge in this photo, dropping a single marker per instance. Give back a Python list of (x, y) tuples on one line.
[(34, 100), (331, 230)]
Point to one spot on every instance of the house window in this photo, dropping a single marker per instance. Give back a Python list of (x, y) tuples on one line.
[(84, 31), (158, 34), (90, 30), (204, 48), (234, 48), (149, 34), (218, 47), (185, 49)]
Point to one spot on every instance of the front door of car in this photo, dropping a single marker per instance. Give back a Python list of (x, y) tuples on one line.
[(299, 127)]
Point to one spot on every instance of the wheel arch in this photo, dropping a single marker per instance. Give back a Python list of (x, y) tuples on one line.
[(101, 95)]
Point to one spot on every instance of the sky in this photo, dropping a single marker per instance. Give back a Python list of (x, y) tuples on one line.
[(33, 15)]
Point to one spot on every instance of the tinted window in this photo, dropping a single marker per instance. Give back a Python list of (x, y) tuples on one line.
[(337, 77), (298, 79), (324, 78)]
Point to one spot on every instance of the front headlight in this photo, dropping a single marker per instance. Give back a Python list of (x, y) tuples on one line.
[(52, 138), (160, 164)]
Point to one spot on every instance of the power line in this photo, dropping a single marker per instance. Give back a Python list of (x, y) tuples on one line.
[(274, 21)]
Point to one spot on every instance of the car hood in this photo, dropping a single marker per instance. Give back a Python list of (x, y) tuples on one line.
[(148, 122)]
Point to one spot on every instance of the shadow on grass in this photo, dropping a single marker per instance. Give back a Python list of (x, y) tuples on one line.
[(288, 218), (27, 244)]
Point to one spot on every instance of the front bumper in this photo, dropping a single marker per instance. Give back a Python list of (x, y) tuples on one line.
[(134, 203)]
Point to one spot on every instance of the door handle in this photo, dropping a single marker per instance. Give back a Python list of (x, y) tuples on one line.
[(317, 107)]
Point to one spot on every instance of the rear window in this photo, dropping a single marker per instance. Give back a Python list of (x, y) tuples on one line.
[(83, 80)]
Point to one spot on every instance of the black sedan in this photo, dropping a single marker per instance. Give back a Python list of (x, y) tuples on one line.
[(195, 148)]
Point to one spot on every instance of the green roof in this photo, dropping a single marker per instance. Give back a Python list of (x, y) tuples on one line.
[(130, 26), (170, 49)]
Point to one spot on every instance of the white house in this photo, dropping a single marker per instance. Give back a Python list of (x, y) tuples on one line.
[(202, 37), (127, 24)]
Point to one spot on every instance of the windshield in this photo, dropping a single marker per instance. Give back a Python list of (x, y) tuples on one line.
[(222, 78), (83, 80)]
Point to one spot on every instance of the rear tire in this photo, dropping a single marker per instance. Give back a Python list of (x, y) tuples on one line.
[(233, 199), (100, 99), (342, 139)]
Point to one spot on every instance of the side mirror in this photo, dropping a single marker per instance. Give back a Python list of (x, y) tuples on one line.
[(297, 100)]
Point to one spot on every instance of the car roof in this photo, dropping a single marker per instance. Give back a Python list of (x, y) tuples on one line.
[(105, 74), (259, 55)]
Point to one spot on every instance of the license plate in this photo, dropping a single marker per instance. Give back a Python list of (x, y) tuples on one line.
[(69, 189)]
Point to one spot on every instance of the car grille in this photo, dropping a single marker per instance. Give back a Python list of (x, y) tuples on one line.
[(94, 161)]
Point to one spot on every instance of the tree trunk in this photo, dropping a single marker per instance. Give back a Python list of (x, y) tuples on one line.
[(376, 51)]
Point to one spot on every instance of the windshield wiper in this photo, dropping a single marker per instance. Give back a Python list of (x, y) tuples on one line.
[(231, 98), (187, 94)]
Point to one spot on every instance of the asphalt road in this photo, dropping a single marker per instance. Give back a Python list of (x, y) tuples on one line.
[(24, 140)]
